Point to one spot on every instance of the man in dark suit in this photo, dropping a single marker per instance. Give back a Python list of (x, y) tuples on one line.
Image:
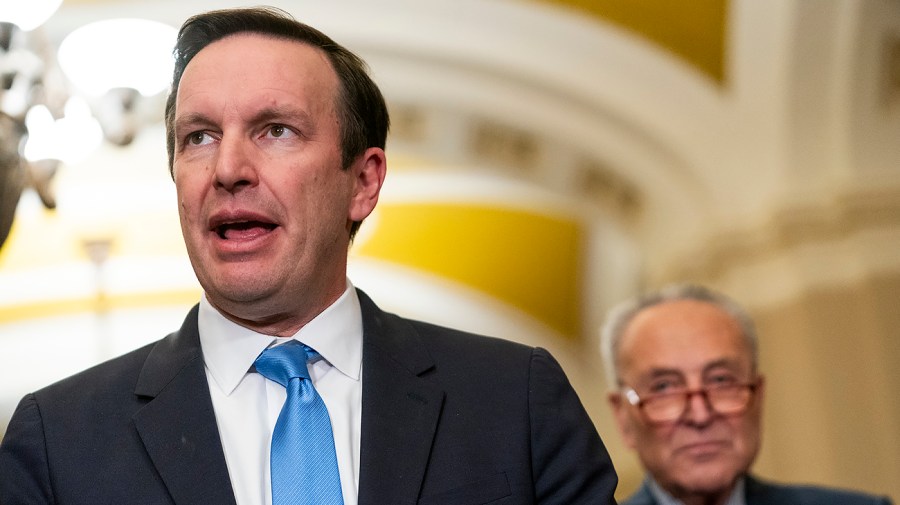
[(688, 399), (276, 139)]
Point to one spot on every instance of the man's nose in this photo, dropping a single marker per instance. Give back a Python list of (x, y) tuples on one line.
[(698, 411), (235, 164)]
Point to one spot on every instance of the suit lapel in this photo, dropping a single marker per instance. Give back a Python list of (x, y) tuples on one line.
[(400, 409), (178, 426)]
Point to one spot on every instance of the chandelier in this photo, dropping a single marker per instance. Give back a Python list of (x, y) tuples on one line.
[(104, 82)]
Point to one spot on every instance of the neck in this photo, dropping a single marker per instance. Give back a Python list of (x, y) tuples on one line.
[(271, 319), (699, 497), (705, 499)]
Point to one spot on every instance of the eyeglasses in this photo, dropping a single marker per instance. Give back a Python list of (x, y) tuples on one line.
[(727, 399)]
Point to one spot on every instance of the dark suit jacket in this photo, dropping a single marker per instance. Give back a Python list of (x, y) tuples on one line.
[(447, 418), (767, 493)]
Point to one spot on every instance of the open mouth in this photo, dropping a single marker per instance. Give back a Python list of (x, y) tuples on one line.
[(243, 230)]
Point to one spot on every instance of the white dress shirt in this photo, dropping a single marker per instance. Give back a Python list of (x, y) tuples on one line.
[(247, 404)]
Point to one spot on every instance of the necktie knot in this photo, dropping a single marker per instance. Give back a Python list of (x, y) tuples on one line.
[(284, 362)]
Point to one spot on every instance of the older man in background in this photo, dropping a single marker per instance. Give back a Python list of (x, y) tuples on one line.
[(688, 399)]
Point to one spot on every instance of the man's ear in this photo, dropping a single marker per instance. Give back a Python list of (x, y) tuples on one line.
[(624, 419), (368, 171)]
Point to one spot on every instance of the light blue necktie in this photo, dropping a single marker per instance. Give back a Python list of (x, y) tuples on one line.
[(304, 463)]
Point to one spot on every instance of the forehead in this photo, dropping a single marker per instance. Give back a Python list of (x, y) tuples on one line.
[(252, 63), (682, 335)]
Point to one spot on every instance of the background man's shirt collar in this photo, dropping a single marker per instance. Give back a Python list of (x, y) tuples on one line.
[(663, 498)]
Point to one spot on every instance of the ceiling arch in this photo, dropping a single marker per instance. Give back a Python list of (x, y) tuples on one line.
[(695, 31)]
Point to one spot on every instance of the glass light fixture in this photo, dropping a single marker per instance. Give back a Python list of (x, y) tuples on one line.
[(69, 139), (27, 15), (119, 53)]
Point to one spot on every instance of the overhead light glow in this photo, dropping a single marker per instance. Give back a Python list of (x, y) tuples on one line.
[(119, 53), (69, 139), (27, 15)]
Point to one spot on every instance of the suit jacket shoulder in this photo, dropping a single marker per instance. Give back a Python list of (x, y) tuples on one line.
[(451, 417), (139, 425), (761, 492)]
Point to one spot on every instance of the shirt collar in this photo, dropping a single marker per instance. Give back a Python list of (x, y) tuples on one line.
[(230, 349), (664, 498)]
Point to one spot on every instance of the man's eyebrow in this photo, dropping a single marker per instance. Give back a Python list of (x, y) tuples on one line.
[(297, 116), (288, 114), (729, 363), (192, 120), (660, 371), (657, 372)]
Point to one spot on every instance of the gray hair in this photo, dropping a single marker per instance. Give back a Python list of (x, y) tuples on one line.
[(620, 316)]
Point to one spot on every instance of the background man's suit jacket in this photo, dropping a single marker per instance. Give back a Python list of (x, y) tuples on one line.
[(767, 493), (447, 418)]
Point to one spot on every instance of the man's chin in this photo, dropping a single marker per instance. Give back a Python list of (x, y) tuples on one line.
[(707, 479), (241, 301)]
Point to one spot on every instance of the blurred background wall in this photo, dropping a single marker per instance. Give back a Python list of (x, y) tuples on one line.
[(547, 159)]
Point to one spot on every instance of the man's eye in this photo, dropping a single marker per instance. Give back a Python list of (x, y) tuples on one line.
[(663, 387), (721, 380), (279, 131), (197, 138)]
